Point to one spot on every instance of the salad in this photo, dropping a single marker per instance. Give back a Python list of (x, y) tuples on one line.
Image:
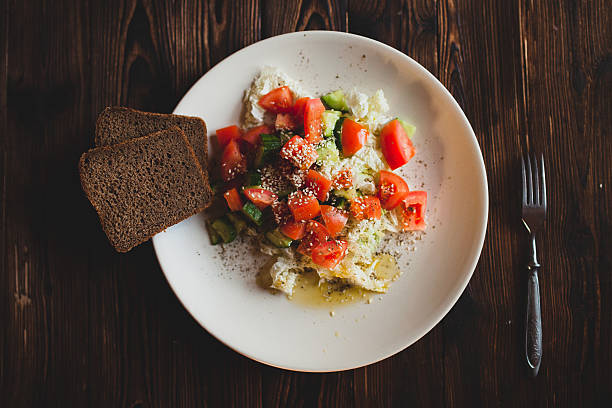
[(312, 177)]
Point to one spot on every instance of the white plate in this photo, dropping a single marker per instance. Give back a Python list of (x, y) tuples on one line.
[(219, 289)]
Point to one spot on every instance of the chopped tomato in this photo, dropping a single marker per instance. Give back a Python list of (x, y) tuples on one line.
[(413, 211), (227, 134), (354, 136), (343, 179), (313, 125), (298, 107), (260, 197), (252, 136), (233, 162), (330, 253), (392, 189), (277, 100), (285, 121), (318, 183), (294, 229), (233, 199), (395, 144), (316, 234), (302, 206), (366, 207), (298, 151), (334, 219)]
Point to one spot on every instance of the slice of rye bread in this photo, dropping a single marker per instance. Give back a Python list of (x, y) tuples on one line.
[(117, 124), (144, 185)]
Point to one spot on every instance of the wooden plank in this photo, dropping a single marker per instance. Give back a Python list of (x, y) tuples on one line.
[(282, 16)]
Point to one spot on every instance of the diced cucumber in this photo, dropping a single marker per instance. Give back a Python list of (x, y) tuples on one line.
[(348, 193), (341, 203), (327, 151), (225, 229), (277, 239), (336, 100), (253, 178), (215, 238), (252, 213), (338, 132), (270, 144), (329, 117), (408, 128), (238, 222), (283, 193)]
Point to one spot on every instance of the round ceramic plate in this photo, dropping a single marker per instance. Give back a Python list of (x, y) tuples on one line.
[(217, 284)]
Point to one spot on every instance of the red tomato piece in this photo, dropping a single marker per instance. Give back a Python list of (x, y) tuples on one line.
[(302, 206), (366, 207), (260, 197), (277, 100), (395, 144), (354, 136), (294, 229), (298, 151), (334, 219), (413, 211), (227, 134), (392, 189), (316, 234), (313, 125), (329, 254), (298, 107), (233, 199), (318, 184), (252, 136), (233, 162), (285, 121), (343, 179)]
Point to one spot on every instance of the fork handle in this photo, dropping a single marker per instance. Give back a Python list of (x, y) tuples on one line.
[(533, 327)]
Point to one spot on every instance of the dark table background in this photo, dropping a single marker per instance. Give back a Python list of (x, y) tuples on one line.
[(81, 325)]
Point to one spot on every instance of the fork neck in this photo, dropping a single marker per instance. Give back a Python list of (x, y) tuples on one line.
[(533, 262)]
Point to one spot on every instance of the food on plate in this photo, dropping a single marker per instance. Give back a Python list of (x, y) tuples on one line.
[(312, 176), (117, 124), (144, 185)]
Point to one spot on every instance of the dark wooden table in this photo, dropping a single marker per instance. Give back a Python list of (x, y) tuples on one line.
[(81, 325)]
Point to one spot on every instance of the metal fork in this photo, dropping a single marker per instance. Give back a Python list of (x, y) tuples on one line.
[(534, 214)]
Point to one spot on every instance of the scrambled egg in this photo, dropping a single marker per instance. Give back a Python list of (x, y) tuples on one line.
[(359, 265)]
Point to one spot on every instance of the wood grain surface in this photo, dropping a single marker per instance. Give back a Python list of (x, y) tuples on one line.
[(83, 326)]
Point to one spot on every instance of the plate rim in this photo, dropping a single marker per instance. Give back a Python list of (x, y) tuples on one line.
[(452, 300)]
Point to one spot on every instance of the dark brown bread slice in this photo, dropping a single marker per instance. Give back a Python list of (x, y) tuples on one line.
[(144, 185), (117, 124)]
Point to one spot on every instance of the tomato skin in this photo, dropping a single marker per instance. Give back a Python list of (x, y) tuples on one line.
[(260, 197), (343, 179), (298, 151), (392, 189), (329, 254), (298, 108), (252, 136), (294, 229), (233, 162), (303, 207), (233, 199), (354, 136), (318, 183), (413, 211), (313, 125), (396, 145), (227, 134), (316, 234), (279, 100), (334, 219), (285, 121), (366, 207)]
